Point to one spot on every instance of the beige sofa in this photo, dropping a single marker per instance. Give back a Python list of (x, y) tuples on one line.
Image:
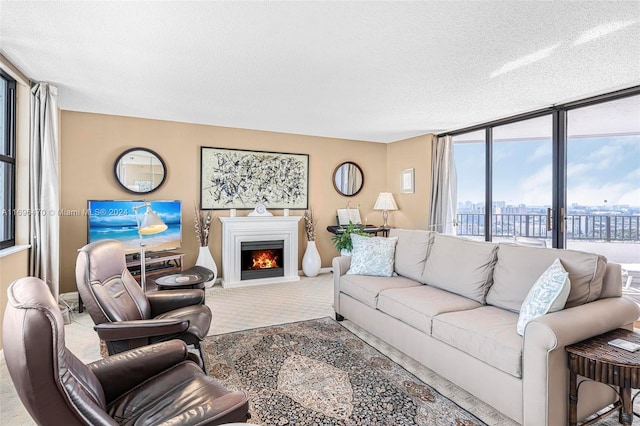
[(453, 305)]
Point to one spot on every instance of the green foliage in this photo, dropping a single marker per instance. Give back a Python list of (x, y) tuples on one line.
[(343, 241)]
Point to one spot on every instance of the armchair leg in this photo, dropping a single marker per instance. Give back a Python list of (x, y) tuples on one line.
[(339, 317)]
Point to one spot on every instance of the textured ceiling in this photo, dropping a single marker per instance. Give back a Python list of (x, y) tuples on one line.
[(376, 71)]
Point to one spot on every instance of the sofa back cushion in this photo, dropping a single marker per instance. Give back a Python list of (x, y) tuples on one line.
[(519, 267), (460, 266), (411, 251)]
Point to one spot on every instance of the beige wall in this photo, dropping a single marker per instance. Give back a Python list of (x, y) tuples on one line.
[(13, 266), (413, 209), (16, 265), (90, 144)]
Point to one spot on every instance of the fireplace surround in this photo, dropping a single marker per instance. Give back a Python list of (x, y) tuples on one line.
[(279, 233)]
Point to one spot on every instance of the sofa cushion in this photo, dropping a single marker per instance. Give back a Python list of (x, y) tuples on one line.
[(417, 306), (411, 251), (372, 255), (548, 294), (366, 289), (460, 266), (519, 267), (486, 333)]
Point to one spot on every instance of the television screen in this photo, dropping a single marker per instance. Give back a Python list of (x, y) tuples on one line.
[(116, 219)]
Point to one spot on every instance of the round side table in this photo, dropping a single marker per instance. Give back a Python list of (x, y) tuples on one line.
[(595, 359), (194, 277)]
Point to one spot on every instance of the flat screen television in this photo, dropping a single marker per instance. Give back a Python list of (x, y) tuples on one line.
[(116, 219)]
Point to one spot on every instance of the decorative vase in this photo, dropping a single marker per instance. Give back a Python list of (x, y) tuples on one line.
[(345, 252), (206, 260), (311, 261)]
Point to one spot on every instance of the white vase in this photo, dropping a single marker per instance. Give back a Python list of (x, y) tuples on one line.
[(206, 260), (345, 252), (311, 261)]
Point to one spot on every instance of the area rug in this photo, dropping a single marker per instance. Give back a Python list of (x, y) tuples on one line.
[(319, 373)]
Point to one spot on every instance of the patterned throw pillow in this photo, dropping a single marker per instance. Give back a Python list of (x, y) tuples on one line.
[(372, 256), (548, 294)]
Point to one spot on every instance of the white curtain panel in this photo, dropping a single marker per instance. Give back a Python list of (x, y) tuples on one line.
[(352, 179), (43, 185), (443, 207)]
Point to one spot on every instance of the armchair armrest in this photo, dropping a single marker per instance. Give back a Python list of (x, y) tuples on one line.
[(168, 300), (121, 372), (545, 360), (127, 330), (340, 267)]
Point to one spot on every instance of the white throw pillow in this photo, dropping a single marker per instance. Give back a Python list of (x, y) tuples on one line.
[(372, 256), (548, 294)]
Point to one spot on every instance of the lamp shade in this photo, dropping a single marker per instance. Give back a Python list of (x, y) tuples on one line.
[(151, 223), (385, 201)]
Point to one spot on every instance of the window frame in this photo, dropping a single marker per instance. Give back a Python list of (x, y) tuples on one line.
[(10, 148), (559, 147)]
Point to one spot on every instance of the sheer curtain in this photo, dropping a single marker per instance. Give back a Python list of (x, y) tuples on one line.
[(442, 217), (43, 186), (352, 179)]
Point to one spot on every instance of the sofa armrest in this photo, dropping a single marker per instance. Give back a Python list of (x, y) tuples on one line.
[(340, 266), (168, 300), (127, 330), (545, 371), (121, 372)]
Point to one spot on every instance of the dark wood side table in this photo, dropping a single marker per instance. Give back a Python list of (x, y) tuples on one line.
[(596, 360)]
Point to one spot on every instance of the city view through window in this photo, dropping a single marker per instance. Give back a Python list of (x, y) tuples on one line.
[(602, 212)]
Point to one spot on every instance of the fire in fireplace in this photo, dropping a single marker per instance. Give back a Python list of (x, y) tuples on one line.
[(264, 259), (261, 259)]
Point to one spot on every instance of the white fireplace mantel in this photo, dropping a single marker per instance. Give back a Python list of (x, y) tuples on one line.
[(236, 230)]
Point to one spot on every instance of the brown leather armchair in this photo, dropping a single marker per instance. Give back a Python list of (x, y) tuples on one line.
[(124, 316), (146, 386)]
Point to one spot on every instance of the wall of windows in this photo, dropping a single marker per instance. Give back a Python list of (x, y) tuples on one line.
[(7, 159), (469, 150), (565, 177)]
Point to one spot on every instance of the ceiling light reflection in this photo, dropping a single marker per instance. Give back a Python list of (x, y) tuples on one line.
[(602, 30), (525, 60)]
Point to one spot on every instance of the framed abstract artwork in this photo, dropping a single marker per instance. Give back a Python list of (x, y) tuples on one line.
[(240, 179)]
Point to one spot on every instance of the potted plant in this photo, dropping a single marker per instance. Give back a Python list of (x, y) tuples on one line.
[(343, 242)]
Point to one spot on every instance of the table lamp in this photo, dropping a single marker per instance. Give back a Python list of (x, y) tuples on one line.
[(149, 225), (385, 202)]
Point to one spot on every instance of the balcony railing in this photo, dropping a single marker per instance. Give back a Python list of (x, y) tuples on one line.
[(577, 226)]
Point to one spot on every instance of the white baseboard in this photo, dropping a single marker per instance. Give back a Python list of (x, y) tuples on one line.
[(322, 271)]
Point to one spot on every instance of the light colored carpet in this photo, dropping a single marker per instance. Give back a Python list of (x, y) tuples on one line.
[(259, 306)]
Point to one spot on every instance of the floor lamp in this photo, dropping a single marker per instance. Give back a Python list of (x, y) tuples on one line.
[(149, 224)]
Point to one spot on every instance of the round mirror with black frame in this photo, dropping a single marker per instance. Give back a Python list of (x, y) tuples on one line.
[(140, 171), (348, 179)]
